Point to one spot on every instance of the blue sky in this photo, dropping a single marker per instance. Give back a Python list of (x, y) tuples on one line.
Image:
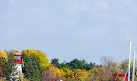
[(68, 29)]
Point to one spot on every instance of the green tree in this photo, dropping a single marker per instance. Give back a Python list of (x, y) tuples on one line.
[(5, 69), (76, 64), (12, 65), (31, 68), (37, 55), (55, 61), (124, 66), (6, 64)]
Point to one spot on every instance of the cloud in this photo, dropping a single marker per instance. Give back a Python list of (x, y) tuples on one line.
[(12, 2), (101, 6), (77, 8), (90, 32), (38, 10), (15, 3), (85, 33), (43, 13), (129, 2)]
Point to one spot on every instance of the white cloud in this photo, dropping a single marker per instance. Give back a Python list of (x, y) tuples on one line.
[(38, 10), (103, 5), (12, 2), (90, 32), (77, 8), (15, 3), (128, 2), (43, 13), (100, 6)]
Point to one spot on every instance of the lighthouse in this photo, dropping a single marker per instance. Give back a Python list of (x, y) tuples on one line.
[(18, 61), (17, 68)]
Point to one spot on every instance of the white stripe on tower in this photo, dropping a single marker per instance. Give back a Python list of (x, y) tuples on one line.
[(129, 63)]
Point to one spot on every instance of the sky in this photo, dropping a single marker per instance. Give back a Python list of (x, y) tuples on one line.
[(69, 29)]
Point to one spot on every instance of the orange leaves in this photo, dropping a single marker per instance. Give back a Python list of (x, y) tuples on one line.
[(77, 74), (57, 72), (52, 73)]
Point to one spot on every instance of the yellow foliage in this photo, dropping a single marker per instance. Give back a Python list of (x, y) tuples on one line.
[(135, 78), (77, 74), (52, 73), (3, 53), (3, 79), (26, 80), (44, 62), (67, 72), (57, 72), (98, 74)]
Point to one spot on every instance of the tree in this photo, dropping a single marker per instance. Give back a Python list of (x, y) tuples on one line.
[(3, 79), (98, 74), (124, 66), (88, 66), (77, 74), (31, 68), (3, 67), (55, 62), (111, 66), (6, 64), (76, 64), (39, 56), (12, 64), (3, 53), (35, 59), (52, 73)]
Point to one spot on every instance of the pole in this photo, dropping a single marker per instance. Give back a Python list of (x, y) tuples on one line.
[(133, 75), (129, 63)]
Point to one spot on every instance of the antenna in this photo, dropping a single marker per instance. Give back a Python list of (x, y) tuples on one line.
[(129, 63), (133, 75)]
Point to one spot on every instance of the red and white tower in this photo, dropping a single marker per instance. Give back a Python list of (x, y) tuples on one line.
[(17, 69), (18, 61)]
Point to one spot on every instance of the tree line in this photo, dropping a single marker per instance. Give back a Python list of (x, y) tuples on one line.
[(38, 68)]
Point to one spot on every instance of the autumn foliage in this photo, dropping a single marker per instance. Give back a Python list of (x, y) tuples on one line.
[(37, 67)]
